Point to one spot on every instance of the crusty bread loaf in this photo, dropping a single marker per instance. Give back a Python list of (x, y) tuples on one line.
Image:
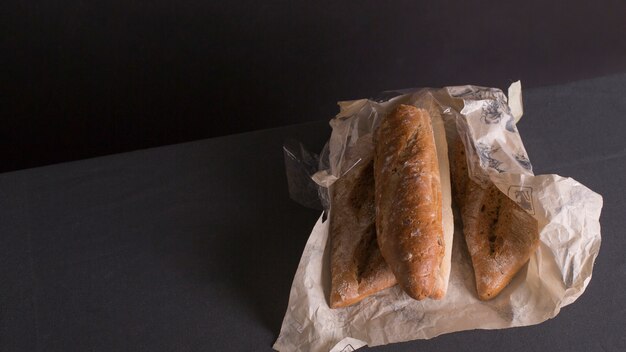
[(409, 200), (500, 235), (357, 267)]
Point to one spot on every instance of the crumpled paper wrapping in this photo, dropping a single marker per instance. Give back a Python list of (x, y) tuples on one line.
[(556, 275)]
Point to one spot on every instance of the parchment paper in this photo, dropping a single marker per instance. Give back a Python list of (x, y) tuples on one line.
[(556, 275)]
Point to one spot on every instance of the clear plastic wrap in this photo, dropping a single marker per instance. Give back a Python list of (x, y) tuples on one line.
[(567, 213), (300, 165)]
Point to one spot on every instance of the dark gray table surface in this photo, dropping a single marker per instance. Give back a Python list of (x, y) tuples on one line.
[(192, 247)]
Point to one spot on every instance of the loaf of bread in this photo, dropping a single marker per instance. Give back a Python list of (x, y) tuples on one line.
[(500, 235), (357, 267), (409, 206)]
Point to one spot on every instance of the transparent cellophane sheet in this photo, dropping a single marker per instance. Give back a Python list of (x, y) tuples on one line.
[(556, 275)]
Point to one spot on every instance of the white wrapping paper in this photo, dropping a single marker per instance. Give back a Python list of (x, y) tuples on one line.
[(556, 275)]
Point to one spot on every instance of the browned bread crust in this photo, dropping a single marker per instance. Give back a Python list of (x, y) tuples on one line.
[(408, 200), (500, 235), (357, 267)]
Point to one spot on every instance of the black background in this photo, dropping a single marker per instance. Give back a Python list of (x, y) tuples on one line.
[(87, 78)]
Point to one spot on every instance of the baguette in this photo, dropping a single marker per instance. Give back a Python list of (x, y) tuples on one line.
[(357, 267), (500, 235), (409, 202)]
